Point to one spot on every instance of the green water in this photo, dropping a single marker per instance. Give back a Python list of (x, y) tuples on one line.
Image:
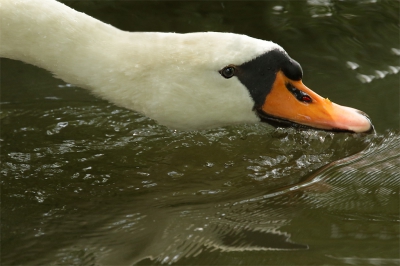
[(85, 182)]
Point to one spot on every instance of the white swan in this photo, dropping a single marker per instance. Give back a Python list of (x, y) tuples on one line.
[(184, 81)]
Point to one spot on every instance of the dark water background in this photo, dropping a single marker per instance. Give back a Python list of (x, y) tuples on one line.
[(85, 182)]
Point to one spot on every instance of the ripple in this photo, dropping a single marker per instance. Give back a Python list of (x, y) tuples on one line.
[(86, 182), (395, 51), (379, 74)]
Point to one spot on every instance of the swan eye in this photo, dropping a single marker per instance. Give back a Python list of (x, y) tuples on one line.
[(227, 72)]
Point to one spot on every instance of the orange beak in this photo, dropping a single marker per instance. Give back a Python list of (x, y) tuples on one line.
[(293, 102)]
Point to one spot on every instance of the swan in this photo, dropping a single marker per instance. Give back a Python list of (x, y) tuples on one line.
[(183, 81)]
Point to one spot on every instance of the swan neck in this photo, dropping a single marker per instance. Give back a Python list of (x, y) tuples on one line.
[(48, 34)]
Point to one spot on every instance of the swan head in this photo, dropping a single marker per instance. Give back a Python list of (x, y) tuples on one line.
[(206, 80)]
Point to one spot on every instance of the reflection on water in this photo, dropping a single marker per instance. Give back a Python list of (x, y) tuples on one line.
[(86, 182), (132, 191)]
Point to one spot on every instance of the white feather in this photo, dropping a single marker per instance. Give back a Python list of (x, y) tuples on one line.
[(172, 78)]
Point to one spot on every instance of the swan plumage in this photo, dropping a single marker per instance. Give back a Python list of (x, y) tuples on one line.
[(173, 78)]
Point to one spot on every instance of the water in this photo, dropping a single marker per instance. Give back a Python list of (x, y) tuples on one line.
[(86, 182)]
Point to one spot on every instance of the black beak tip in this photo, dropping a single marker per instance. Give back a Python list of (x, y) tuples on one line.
[(371, 129)]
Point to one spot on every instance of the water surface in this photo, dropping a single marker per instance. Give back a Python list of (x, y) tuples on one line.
[(86, 182)]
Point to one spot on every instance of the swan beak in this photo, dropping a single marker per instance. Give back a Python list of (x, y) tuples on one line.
[(292, 102)]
